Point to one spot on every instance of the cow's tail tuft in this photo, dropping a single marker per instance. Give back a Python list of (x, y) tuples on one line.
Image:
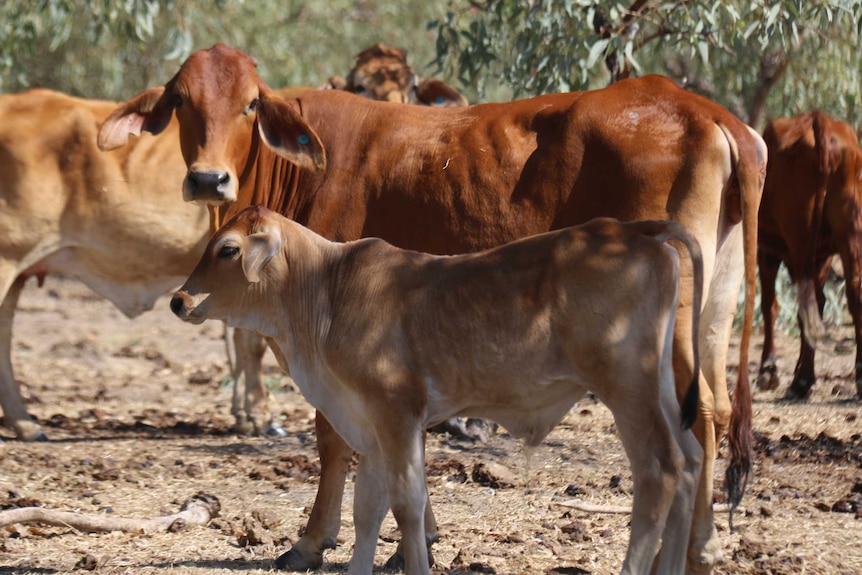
[(749, 162)]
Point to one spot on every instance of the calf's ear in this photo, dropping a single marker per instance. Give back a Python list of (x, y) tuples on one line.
[(260, 247), (149, 111), (284, 130)]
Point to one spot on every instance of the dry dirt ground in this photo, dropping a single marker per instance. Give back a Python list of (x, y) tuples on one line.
[(139, 421)]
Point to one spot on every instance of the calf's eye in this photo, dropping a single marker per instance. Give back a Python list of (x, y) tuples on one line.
[(228, 252)]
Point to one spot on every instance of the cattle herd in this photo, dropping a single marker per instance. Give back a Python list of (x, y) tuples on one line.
[(569, 243)]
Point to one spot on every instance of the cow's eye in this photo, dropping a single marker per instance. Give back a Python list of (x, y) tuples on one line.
[(176, 101), (228, 252), (252, 106)]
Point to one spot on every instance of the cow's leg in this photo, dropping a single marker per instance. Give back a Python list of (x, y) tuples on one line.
[(768, 265), (804, 376), (713, 418), (14, 412), (249, 405), (851, 259), (325, 520), (370, 504)]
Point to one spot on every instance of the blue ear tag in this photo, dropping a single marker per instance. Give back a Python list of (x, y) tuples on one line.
[(440, 100), (303, 139)]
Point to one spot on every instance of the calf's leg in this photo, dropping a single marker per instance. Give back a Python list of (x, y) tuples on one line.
[(851, 258)]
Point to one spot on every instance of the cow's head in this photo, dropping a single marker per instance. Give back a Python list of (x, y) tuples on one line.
[(218, 99), (227, 282), (382, 73)]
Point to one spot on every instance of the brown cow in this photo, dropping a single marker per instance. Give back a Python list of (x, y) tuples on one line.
[(810, 211), (367, 330), (113, 221), (382, 73), (461, 179)]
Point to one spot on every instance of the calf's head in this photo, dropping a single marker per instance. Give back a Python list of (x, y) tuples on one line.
[(228, 282), (224, 109)]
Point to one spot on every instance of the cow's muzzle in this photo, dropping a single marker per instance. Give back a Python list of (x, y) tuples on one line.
[(209, 187), (183, 306)]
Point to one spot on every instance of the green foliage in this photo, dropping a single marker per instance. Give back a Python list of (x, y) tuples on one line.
[(788, 55), (115, 48)]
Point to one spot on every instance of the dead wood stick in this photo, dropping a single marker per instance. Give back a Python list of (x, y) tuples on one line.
[(197, 510), (579, 505)]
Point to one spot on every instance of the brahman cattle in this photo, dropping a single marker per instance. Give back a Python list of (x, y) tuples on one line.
[(454, 180), (112, 220), (810, 211), (382, 73), (367, 331)]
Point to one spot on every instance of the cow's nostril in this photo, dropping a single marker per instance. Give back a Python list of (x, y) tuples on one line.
[(209, 182), (176, 304)]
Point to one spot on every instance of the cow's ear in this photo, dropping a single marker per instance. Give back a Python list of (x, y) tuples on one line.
[(260, 248), (434, 92), (283, 129), (149, 111), (335, 83)]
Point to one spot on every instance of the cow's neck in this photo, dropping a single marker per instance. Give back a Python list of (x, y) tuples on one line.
[(268, 180)]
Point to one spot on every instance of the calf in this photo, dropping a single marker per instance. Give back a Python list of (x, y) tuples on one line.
[(809, 212), (368, 332)]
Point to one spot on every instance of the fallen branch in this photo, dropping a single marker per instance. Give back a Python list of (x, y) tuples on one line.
[(579, 505), (197, 510)]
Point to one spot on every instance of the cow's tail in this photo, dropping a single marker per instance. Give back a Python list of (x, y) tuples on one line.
[(748, 156), (668, 230), (827, 162)]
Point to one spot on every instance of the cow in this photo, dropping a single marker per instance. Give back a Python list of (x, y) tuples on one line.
[(382, 73), (810, 211), (455, 180), (366, 330), (112, 221)]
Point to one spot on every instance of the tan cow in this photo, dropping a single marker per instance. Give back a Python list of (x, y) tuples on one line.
[(453, 180), (811, 210), (382, 73), (366, 329), (112, 221)]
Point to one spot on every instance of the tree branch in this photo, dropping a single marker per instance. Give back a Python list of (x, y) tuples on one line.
[(197, 510)]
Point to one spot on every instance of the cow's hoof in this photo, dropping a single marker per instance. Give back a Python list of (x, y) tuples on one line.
[(798, 391), (476, 430), (39, 435), (273, 429), (293, 560), (767, 379)]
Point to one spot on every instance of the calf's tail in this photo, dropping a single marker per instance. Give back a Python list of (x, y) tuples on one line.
[(665, 231)]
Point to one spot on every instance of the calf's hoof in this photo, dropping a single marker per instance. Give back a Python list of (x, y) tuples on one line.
[(395, 563), (293, 560)]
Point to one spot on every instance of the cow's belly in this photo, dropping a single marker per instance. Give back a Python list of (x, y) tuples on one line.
[(528, 410)]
